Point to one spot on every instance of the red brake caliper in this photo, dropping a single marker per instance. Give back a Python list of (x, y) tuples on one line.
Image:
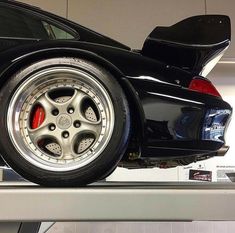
[(38, 117)]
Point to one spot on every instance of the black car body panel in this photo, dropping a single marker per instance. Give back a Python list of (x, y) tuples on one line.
[(169, 121), (207, 37), (77, 31)]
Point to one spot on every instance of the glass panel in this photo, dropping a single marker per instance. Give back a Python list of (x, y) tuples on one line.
[(17, 24), (60, 34), (56, 33), (14, 23)]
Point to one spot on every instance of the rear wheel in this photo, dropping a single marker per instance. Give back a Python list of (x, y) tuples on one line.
[(66, 122)]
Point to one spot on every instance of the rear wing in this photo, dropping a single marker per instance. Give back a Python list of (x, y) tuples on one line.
[(195, 44)]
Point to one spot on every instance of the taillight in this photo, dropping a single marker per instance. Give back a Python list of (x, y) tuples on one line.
[(203, 86)]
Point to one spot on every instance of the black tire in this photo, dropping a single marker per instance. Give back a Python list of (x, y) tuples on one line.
[(109, 156)]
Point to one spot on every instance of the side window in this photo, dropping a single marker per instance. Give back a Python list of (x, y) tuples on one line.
[(60, 34), (56, 33), (18, 24)]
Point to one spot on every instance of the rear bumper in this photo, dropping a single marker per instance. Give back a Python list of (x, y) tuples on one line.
[(180, 122), (188, 130), (215, 124)]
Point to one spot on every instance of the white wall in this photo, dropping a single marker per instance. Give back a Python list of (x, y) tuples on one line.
[(58, 7), (130, 21)]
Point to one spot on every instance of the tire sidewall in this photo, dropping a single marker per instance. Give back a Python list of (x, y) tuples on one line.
[(104, 163)]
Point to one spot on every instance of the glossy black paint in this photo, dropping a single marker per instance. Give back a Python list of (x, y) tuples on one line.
[(84, 34), (169, 121), (192, 43)]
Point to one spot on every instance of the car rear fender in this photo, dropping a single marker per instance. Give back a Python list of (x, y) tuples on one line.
[(137, 113)]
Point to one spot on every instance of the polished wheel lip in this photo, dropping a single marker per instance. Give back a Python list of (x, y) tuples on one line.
[(20, 95)]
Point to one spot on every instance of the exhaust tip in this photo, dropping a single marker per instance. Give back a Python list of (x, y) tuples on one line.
[(222, 151)]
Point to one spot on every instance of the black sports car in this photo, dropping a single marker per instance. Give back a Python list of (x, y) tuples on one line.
[(76, 104)]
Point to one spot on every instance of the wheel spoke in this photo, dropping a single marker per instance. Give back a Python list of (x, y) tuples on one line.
[(66, 145), (76, 101), (90, 127), (41, 132), (47, 103)]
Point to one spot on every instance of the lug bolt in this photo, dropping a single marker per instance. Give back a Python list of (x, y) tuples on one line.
[(70, 110), (55, 112), (52, 127), (65, 134), (76, 124)]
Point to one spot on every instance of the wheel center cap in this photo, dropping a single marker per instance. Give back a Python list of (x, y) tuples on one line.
[(64, 121)]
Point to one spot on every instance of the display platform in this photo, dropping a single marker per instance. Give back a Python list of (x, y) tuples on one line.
[(113, 201)]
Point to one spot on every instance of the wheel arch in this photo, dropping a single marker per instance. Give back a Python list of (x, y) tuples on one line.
[(136, 109)]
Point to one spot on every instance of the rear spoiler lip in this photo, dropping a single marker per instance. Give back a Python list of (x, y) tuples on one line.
[(228, 41), (194, 44)]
